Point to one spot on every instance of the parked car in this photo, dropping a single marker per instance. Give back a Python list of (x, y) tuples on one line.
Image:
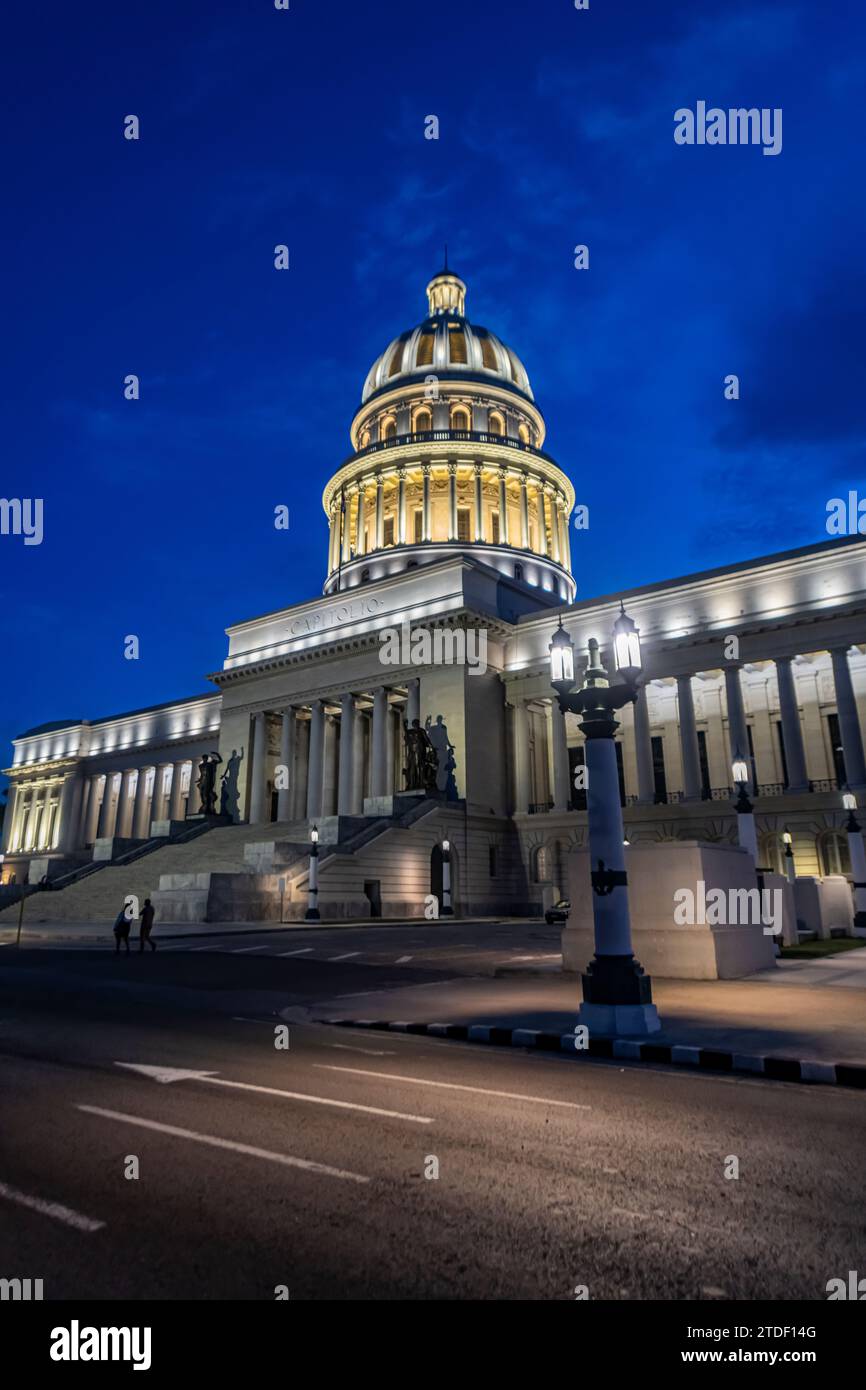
[(558, 913)]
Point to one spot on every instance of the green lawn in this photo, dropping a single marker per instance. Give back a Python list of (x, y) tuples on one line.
[(812, 949)]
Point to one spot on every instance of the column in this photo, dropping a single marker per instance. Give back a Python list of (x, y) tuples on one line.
[(347, 755), (12, 801), (359, 765), (503, 508), (332, 529), (22, 806), (287, 760), (413, 700), (452, 501), (520, 753), (561, 787), (302, 769), (32, 815), (646, 785), (401, 506), (689, 740), (66, 830), (316, 763), (92, 810), (256, 814), (738, 733), (379, 781), (346, 527), (554, 533), (849, 724), (479, 505), (106, 814), (792, 732), (542, 520), (360, 545), (175, 809), (123, 822), (426, 502), (380, 515), (566, 538), (157, 801), (390, 759), (524, 513)]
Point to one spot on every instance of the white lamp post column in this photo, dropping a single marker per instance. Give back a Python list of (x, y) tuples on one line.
[(746, 832), (447, 909), (857, 852), (312, 913), (790, 870)]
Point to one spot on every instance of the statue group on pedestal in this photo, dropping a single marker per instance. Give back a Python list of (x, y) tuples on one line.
[(206, 784), (430, 760)]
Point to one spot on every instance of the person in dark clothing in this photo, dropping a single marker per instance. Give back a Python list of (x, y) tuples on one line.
[(147, 916), (121, 930)]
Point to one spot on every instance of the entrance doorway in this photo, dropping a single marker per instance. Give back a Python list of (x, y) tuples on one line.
[(373, 894)]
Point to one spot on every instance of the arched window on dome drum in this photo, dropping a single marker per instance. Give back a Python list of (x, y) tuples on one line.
[(456, 345), (364, 441), (423, 423), (833, 852), (424, 355), (523, 433), (495, 424), (459, 417), (488, 356), (389, 429)]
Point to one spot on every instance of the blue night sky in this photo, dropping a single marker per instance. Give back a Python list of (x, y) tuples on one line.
[(306, 127)]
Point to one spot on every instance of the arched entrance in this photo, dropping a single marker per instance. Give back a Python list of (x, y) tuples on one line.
[(436, 858)]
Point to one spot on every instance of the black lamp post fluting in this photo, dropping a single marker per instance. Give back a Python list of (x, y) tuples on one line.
[(617, 994), (746, 833)]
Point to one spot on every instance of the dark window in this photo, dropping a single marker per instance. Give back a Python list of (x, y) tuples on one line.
[(388, 531), (462, 523), (494, 527), (836, 745), (661, 785), (491, 860), (705, 764), (418, 524), (518, 571), (365, 575)]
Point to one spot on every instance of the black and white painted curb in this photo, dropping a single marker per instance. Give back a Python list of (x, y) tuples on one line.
[(628, 1050)]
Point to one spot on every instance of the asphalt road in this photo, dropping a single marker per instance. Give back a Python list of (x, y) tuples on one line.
[(308, 1168)]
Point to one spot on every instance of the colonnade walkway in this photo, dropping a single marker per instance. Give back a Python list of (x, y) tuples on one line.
[(100, 896)]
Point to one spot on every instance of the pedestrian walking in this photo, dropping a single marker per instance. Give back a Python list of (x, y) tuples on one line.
[(147, 916), (121, 930)]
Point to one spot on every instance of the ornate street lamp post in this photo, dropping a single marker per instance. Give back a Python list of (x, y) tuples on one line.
[(447, 909), (857, 852), (790, 870), (746, 833), (617, 995), (312, 913)]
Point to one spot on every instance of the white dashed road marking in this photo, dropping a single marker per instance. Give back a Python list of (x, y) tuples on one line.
[(53, 1209)]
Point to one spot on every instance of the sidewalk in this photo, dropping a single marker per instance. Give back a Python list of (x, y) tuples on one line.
[(99, 933), (754, 1017)]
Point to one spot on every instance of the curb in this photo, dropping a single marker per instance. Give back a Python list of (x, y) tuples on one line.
[(627, 1049)]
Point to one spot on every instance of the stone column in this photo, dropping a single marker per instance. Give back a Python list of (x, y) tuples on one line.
[(175, 803), (66, 834), (849, 724), (566, 537), (520, 750), (106, 813), (646, 786), (157, 803), (32, 815), (425, 502), (689, 740), (302, 767), (22, 809), (379, 781), (12, 803), (359, 737), (401, 506), (503, 508), (287, 761), (332, 526), (347, 755), (792, 733), (92, 810), (257, 810), (123, 821), (329, 767), (479, 505), (413, 700), (452, 501), (380, 515), (738, 733), (360, 546), (316, 764), (554, 533), (524, 513), (561, 781), (542, 520)]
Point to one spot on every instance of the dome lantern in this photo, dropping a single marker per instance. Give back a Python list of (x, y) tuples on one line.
[(446, 294)]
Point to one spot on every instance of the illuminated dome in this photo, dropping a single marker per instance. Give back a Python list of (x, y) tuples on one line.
[(447, 345)]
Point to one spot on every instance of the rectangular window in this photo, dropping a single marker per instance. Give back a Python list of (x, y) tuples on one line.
[(418, 526), (659, 778), (494, 527), (388, 531), (836, 746), (705, 765), (491, 860), (463, 523)]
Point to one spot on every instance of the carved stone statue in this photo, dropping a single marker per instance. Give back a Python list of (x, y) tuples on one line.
[(437, 735), (229, 795), (207, 783), (420, 769)]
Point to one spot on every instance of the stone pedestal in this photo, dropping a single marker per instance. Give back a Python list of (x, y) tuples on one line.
[(656, 873)]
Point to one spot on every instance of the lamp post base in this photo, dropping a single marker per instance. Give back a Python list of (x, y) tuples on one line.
[(312, 914), (617, 997)]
